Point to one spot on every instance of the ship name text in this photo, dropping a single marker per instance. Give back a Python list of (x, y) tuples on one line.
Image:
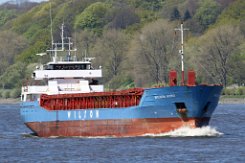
[(164, 96), (83, 114)]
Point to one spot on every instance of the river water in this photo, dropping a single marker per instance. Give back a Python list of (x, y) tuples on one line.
[(222, 141)]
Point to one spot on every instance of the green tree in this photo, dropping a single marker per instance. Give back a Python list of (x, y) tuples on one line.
[(93, 16), (110, 53), (123, 16), (150, 53), (5, 15), (85, 40), (153, 5), (39, 46), (11, 44), (13, 76), (187, 15), (233, 14), (219, 47), (175, 15), (207, 13), (237, 65)]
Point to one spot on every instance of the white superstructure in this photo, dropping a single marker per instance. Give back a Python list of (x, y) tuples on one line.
[(64, 76)]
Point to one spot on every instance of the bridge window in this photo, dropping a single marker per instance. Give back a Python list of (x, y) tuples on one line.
[(69, 67)]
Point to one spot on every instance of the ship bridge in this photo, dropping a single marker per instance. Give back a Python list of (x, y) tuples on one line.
[(66, 75), (62, 70)]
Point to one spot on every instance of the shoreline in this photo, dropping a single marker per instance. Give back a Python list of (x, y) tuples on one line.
[(231, 100), (9, 101), (223, 100)]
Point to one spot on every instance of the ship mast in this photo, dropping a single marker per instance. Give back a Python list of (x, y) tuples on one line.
[(63, 43), (181, 52)]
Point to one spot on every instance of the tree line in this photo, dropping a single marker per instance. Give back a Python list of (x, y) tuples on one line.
[(134, 40)]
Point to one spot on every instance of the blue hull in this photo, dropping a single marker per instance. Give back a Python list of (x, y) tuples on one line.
[(155, 104)]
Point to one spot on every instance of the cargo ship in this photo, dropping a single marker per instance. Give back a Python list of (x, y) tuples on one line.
[(72, 102)]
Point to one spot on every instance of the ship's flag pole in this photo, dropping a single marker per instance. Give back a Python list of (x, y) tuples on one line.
[(181, 29)]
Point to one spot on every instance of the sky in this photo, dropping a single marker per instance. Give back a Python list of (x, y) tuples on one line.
[(3, 1)]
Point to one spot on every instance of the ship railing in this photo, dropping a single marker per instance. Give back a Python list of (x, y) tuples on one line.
[(34, 89)]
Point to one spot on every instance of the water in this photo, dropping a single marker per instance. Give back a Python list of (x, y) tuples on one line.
[(222, 141)]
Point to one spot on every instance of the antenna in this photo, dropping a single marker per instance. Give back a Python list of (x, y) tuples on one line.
[(181, 51), (75, 44), (85, 54), (62, 36), (51, 24), (69, 51)]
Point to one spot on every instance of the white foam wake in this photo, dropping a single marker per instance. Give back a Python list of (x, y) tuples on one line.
[(186, 131)]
